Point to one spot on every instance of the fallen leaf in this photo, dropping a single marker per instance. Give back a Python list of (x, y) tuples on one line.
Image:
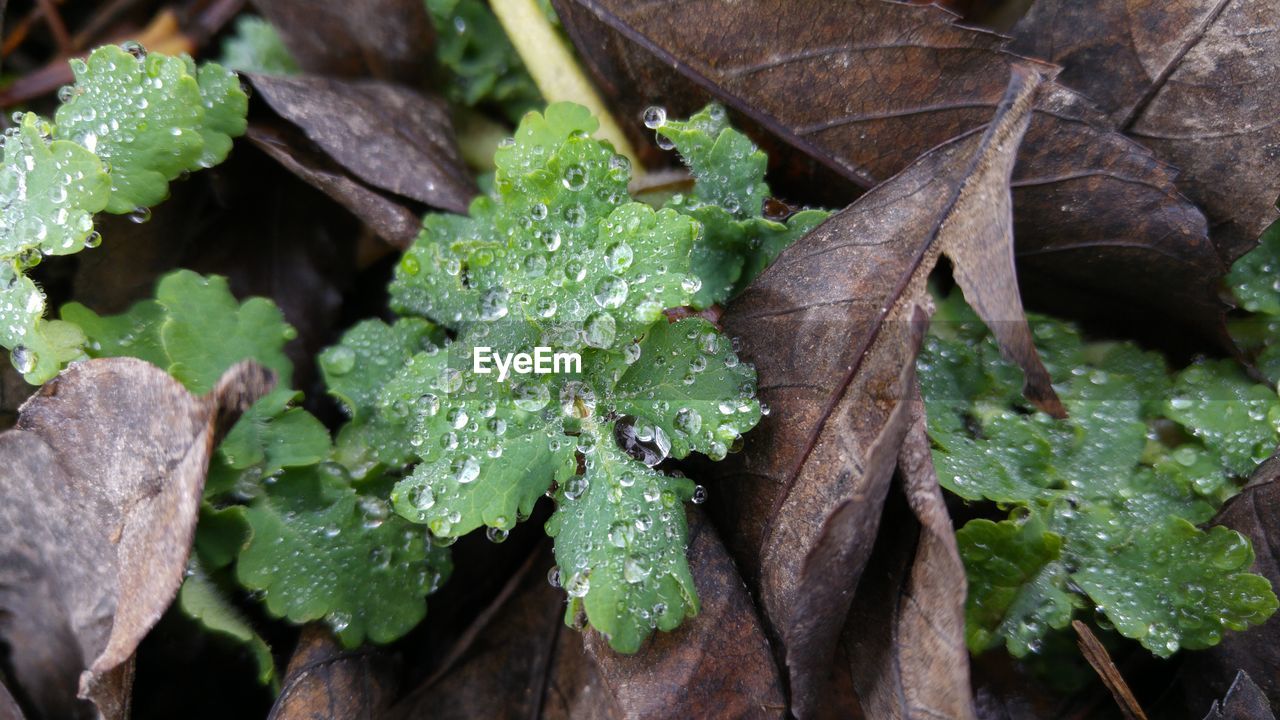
[(393, 222), (1254, 513), (1192, 80), (325, 681), (99, 495), (866, 86), (348, 119), (716, 664), (519, 660), (387, 39), (1244, 701), (9, 709), (516, 660), (904, 637), (810, 484)]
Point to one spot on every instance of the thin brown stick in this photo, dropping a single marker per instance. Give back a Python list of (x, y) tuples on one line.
[(53, 19), (1098, 657)]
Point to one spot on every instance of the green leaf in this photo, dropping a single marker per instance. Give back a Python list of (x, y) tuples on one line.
[(49, 192), (738, 243), (201, 309), (559, 263), (489, 449), (1017, 585), (319, 550), (220, 535), (1111, 493), (560, 247), (203, 601), (1254, 277), (150, 119), (255, 47), (226, 106), (689, 382), (1169, 584), (483, 66), (157, 110), (38, 348), (368, 356), (620, 539), (133, 333), (273, 436), (1217, 403)]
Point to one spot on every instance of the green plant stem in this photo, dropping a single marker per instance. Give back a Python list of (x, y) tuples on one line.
[(551, 64)]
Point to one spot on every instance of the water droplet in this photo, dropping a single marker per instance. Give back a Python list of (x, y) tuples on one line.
[(140, 215), (575, 178), (24, 359), (655, 117), (339, 360)]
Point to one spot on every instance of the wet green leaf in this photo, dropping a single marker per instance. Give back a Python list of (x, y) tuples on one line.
[(255, 47), (202, 600), (321, 551), (1104, 509), (620, 538)]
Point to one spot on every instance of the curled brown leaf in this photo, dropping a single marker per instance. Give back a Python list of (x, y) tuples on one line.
[(100, 487), (863, 87), (810, 485), (389, 136), (1192, 80)]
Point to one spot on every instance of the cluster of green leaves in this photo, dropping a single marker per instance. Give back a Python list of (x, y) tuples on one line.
[(1255, 280), (560, 256), (1104, 506), (130, 124), (280, 518)]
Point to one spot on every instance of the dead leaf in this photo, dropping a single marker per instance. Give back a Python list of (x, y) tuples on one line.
[(1244, 701), (1192, 80), (1254, 513), (866, 86), (386, 39), (393, 222), (715, 664), (810, 484), (100, 486), (349, 120), (519, 660), (904, 638), (325, 681), (9, 709), (516, 660)]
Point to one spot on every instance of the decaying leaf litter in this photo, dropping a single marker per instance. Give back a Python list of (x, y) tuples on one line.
[(1088, 147)]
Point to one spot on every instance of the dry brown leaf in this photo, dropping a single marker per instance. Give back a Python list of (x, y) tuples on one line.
[(1191, 79), (866, 86), (1243, 701), (809, 486), (348, 119), (392, 221), (904, 638), (100, 486), (324, 681), (519, 659), (386, 39), (715, 664), (9, 709)]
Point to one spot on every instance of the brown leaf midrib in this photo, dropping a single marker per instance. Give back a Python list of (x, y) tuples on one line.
[(1175, 61)]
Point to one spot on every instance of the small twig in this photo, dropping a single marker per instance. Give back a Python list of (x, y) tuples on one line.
[(1098, 657), (54, 20), (551, 63)]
